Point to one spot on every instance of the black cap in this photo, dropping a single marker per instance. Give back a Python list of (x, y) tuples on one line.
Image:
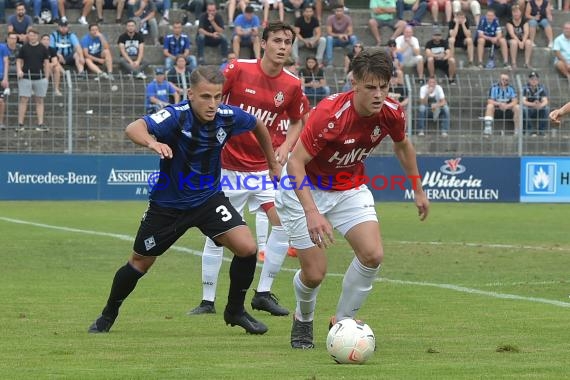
[(533, 74), (391, 43), (248, 9), (63, 23), (159, 71)]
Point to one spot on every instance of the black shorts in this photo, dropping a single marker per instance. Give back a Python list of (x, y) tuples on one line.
[(460, 43), (503, 114), (161, 226), (69, 60), (441, 64)]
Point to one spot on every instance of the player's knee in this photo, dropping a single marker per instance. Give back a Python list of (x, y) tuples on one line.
[(313, 278), (246, 249), (372, 258)]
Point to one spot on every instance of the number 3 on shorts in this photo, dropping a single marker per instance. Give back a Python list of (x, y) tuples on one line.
[(224, 212)]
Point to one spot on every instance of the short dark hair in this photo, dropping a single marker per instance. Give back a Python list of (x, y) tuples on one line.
[(92, 25), (372, 62), (19, 3), (210, 74), (275, 26)]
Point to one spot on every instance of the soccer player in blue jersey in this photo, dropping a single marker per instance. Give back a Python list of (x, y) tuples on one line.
[(189, 138)]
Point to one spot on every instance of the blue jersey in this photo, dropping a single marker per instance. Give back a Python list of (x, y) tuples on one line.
[(92, 44), (176, 46), (502, 94), (192, 175), (490, 29)]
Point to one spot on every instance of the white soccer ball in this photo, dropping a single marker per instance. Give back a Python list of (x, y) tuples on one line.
[(351, 342)]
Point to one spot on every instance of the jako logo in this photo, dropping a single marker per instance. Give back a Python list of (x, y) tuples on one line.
[(349, 141)]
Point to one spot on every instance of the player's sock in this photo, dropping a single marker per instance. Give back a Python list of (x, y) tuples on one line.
[(356, 285), (306, 299), (124, 283), (211, 263), (242, 270), (275, 253), (261, 228)]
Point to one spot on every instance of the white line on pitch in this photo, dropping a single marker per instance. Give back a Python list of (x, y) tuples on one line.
[(483, 245), (456, 288)]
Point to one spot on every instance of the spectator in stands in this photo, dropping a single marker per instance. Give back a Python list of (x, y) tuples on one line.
[(163, 10), (331, 5), (109, 4), (397, 59), (246, 32), (69, 51), (176, 44), (409, 47), (383, 14), (232, 6), (489, 33), (179, 76), (398, 91), (32, 70), (539, 12), (339, 33), (272, 5), (211, 32), (13, 49), (55, 68), (295, 6), (131, 48), (313, 81), (502, 8), (230, 58), (85, 5), (535, 106), (460, 36), (308, 34), (562, 51), (97, 53), (502, 104), (348, 58), (433, 105), (19, 23), (158, 92), (44, 16), (418, 8), (5, 90), (145, 10), (195, 6), (438, 56), (437, 6), (467, 5), (517, 37)]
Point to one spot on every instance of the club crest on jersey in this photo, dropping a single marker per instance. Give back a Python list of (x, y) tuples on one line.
[(221, 135), (279, 98), (375, 134)]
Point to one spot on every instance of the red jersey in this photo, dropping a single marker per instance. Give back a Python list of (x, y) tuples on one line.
[(279, 137), (273, 100), (339, 139)]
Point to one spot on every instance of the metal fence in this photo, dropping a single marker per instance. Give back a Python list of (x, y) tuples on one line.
[(91, 116)]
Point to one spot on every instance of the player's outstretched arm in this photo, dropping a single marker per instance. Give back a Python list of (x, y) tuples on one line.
[(320, 230), (293, 132), (138, 133), (406, 154), (264, 139)]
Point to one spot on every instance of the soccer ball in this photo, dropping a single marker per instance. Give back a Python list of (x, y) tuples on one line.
[(351, 342)]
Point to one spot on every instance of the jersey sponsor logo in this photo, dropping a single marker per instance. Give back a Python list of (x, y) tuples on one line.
[(187, 133), (250, 91), (375, 134), (279, 98), (149, 243), (221, 135), (348, 159), (266, 116), (160, 116), (349, 141)]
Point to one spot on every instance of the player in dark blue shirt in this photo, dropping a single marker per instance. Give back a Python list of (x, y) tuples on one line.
[(189, 138)]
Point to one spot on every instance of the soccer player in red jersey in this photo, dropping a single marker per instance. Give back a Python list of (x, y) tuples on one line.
[(265, 89), (340, 133)]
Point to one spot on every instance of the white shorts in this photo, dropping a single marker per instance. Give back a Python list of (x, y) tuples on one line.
[(251, 188), (343, 209)]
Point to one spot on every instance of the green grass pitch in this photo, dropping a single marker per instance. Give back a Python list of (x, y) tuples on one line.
[(478, 291)]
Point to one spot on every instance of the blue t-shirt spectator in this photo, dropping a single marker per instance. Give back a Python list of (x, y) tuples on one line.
[(176, 46), (245, 24), (159, 90), (20, 27), (4, 52), (92, 44), (502, 94)]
